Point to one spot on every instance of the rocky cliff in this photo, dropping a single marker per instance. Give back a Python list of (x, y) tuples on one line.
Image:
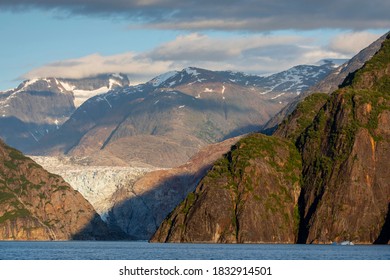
[(37, 205), (260, 192), (346, 183), (250, 195)]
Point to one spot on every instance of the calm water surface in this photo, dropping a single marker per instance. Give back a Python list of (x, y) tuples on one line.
[(99, 250)]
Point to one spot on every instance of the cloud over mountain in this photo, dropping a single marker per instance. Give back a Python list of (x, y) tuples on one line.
[(257, 54)]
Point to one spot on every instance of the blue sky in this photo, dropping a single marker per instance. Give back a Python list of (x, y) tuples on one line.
[(144, 38)]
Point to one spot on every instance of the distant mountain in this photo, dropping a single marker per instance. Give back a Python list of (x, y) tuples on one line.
[(39, 106), (38, 205), (294, 80), (166, 120), (329, 83)]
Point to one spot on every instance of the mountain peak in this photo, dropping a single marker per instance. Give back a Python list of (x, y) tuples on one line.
[(161, 79)]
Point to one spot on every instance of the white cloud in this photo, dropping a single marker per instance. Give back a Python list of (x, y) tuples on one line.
[(351, 43), (139, 68), (257, 54)]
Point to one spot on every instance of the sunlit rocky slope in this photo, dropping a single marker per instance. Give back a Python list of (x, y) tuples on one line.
[(38, 205)]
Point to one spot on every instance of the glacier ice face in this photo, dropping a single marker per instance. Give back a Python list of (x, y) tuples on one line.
[(98, 184)]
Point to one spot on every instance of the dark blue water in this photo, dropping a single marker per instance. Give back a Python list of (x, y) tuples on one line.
[(91, 250)]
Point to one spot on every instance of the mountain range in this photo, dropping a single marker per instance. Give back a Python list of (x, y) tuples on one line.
[(172, 116)]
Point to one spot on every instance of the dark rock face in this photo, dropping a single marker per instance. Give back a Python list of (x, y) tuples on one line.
[(346, 189), (250, 195), (343, 183), (37, 205)]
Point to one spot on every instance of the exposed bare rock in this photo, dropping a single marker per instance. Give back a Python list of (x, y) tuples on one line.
[(250, 195), (303, 115), (346, 189), (38, 205)]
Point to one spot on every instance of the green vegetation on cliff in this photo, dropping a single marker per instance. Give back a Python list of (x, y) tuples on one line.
[(250, 195), (322, 177), (37, 205), (301, 118), (345, 152)]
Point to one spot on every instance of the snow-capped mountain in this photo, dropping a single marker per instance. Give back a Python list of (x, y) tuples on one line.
[(166, 120), (294, 80), (297, 79), (38, 106)]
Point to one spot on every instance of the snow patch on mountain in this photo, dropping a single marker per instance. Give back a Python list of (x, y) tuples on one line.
[(66, 86), (191, 71), (157, 81)]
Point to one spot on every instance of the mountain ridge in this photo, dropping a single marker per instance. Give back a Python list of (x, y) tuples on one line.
[(179, 112)]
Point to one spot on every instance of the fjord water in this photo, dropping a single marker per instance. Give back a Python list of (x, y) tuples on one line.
[(99, 250)]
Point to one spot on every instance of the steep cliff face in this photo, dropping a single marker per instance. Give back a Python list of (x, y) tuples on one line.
[(250, 195), (37, 205), (343, 184), (346, 183)]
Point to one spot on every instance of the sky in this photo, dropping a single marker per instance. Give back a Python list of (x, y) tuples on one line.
[(145, 38)]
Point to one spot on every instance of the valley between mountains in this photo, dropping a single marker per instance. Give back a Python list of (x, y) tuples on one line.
[(181, 158)]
